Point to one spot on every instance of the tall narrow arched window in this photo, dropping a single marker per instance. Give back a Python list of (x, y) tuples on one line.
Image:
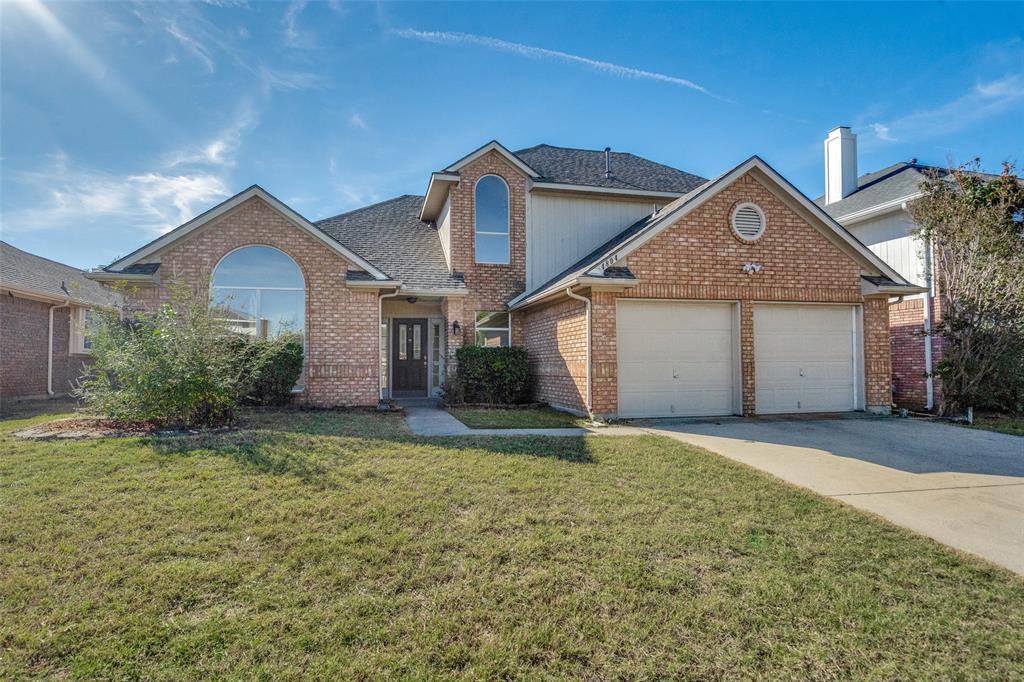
[(260, 291), (491, 232)]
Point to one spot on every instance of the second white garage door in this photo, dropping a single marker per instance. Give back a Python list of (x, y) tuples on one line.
[(805, 358), (676, 359)]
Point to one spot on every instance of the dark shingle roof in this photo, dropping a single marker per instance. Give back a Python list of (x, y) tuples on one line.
[(28, 272), (587, 167), (883, 186), (391, 235)]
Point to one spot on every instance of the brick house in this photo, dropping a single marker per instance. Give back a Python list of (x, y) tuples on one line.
[(636, 288), (43, 309), (874, 207)]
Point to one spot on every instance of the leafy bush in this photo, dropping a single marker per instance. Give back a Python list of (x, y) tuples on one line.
[(269, 368), (490, 375), (180, 365)]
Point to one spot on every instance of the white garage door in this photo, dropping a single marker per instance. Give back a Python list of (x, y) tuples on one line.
[(676, 359), (805, 358)]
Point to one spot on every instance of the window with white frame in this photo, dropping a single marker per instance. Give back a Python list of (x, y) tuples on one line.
[(493, 328), (81, 319), (492, 220), (261, 292)]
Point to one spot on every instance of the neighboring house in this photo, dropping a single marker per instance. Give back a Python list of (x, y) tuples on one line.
[(44, 306), (875, 208), (637, 289)]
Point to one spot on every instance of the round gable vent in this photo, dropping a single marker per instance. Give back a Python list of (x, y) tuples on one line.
[(748, 221)]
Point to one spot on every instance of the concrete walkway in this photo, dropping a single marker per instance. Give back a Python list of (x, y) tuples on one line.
[(426, 417), (962, 487)]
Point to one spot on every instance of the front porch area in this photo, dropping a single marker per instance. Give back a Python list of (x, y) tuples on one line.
[(413, 346)]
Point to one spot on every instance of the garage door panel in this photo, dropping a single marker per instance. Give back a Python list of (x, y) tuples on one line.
[(804, 358), (675, 358)]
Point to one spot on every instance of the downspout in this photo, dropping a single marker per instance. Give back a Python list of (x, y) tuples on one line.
[(380, 347), (49, 347), (928, 297), (586, 302)]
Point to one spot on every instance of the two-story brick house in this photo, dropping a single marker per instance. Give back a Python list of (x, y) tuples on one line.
[(637, 289)]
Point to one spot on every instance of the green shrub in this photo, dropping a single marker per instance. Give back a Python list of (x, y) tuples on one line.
[(174, 366), (269, 368), (490, 375)]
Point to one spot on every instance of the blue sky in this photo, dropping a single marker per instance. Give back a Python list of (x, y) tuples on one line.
[(120, 121)]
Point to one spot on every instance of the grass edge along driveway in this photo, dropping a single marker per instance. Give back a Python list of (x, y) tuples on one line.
[(333, 544)]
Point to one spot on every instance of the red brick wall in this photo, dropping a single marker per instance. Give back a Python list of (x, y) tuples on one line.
[(24, 338), (341, 323), (490, 286), (906, 329), (700, 258), (556, 339)]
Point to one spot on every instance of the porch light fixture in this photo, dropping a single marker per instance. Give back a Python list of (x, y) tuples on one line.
[(456, 328)]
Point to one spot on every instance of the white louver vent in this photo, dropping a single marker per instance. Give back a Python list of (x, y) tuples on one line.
[(748, 221)]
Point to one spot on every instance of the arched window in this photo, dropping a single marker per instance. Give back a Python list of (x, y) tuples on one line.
[(261, 292), (491, 202)]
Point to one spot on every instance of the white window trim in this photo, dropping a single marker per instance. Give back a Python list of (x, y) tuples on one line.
[(492, 329), (508, 223), (76, 340)]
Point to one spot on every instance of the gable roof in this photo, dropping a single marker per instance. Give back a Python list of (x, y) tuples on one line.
[(27, 273), (636, 235), (888, 187), (492, 146), (565, 165), (391, 234), (119, 266)]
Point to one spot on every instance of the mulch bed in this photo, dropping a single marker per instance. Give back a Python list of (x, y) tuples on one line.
[(81, 428)]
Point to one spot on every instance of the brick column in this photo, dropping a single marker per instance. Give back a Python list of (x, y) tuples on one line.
[(747, 366), (454, 309), (877, 356)]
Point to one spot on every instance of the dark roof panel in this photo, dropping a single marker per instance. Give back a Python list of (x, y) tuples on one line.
[(391, 235), (587, 167), (28, 272)]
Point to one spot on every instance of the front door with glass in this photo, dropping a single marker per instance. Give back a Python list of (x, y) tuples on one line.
[(409, 356)]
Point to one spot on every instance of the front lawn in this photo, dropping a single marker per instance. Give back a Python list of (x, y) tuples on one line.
[(532, 418), (327, 545), (1003, 423)]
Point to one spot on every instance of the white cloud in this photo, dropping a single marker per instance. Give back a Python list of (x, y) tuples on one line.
[(981, 102), (292, 35), (222, 149), (356, 121), (191, 44), (66, 196), (448, 38)]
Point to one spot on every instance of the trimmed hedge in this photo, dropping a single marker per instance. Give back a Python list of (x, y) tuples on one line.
[(268, 369), (499, 376)]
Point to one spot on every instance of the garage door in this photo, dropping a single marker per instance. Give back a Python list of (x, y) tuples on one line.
[(805, 358), (676, 359)]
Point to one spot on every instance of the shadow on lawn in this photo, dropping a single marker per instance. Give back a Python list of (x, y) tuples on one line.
[(313, 446)]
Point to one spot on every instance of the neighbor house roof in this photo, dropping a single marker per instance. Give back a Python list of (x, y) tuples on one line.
[(569, 166), (391, 235), (598, 261), (26, 273), (888, 187)]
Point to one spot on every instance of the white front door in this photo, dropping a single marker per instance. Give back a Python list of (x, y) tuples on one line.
[(805, 358), (676, 359)]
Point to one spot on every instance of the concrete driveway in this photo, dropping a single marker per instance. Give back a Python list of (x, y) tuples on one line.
[(962, 487)]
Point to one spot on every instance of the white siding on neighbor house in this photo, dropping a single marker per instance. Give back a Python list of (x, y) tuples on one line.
[(444, 230), (889, 236), (562, 229)]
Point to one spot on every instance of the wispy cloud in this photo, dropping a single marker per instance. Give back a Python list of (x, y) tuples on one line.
[(68, 195), (981, 102), (289, 21), (192, 45), (448, 38), (222, 149), (356, 121)]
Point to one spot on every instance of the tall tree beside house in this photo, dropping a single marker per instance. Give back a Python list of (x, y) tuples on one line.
[(975, 225)]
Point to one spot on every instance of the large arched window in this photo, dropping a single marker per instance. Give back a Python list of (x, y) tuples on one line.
[(261, 292), (491, 202)]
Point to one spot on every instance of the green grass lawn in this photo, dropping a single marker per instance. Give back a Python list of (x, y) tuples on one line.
[(1003, 423), (334, 545), (533, 418)]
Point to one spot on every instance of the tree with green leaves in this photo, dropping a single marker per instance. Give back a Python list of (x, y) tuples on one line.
[(973, 224)]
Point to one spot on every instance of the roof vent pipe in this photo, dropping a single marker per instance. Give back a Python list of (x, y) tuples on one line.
[(608, 163)]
